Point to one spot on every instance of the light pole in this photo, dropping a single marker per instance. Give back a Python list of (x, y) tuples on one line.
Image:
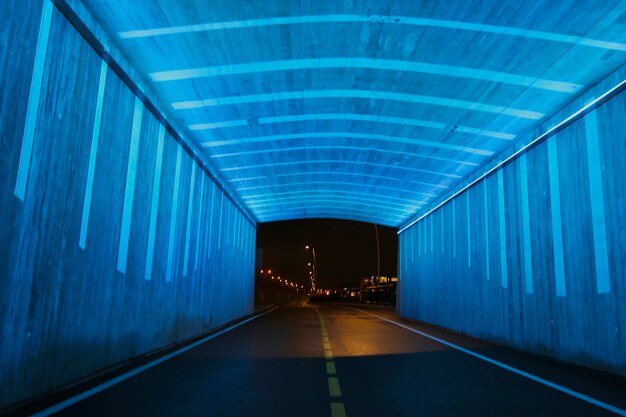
[(313, 282), (377, 255)]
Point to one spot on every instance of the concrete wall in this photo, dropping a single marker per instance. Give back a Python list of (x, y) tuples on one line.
[(535, 255), (113, 240)]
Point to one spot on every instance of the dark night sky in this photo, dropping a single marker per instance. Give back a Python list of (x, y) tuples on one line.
[(345, 250)]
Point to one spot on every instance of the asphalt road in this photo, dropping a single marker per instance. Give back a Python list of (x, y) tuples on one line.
[(333, 360)]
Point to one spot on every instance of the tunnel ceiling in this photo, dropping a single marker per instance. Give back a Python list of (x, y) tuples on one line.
[(363, 110)]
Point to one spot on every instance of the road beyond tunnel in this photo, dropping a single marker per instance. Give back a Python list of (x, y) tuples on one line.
[(340, 360)]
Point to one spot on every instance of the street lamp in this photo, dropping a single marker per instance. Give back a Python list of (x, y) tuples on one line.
[(307, 247)]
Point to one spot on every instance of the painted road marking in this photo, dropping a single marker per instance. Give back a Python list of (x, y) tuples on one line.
[(333, 387), (532, 377), (330, 368), (337, 409), (99, 388)]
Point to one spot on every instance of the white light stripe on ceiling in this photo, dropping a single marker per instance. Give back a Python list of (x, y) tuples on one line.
[(340, 161), (358, 94), (331, 148), (368, 64), (351, 184), (354, 117), (382, 19), (348, 135)]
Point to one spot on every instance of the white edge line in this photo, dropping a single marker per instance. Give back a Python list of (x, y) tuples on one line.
[(532, 377), (99, 388), (518, 153)]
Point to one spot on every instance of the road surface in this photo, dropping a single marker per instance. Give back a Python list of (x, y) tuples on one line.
[(337, 360)]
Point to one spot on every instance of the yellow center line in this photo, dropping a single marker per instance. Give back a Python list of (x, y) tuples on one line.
[(333, 387), (337, 409)]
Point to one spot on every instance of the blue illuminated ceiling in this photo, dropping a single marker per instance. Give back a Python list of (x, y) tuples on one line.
[(364, 110)]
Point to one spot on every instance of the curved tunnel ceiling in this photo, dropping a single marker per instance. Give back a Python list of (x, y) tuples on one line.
[(364, 110)]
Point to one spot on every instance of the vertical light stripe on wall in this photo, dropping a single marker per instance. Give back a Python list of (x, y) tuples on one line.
[(432, 234), (95, 136), (596, 193), (419, 238), (230, 228), (236, 229), (454, 228), (189, 217), (219, 234), (413, 230), (250, 243), (210, 219), (486, 212), (425, 235), (242, 225), (407, 248), (129, 193), (238, 223), (504, 272), (201, 220), (154, 208), (34, 97), (422, 237), (555, 205), (174, 215), (239, 229), (242, 235), (469, 229), (528, 256), (441, 215)]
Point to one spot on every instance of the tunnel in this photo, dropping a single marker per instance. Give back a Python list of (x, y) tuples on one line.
[(144, 141)]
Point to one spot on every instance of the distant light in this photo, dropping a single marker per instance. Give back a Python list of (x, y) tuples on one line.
[(306, 247)]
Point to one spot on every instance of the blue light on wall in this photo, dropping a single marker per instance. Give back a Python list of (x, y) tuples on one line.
[(400, 116)]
